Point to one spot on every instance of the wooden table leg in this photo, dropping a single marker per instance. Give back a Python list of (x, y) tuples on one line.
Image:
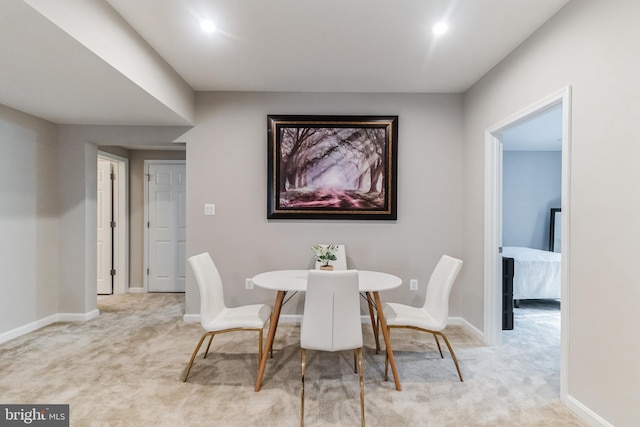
[(273, 325), (373, 321), (387, 341)]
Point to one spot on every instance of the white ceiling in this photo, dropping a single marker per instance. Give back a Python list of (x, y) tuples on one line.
[(261, 45)]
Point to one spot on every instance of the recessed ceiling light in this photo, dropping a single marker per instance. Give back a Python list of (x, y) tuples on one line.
[(208, 26), (440, 28)]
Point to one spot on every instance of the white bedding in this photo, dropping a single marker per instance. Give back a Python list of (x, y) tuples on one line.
[(536, 273)]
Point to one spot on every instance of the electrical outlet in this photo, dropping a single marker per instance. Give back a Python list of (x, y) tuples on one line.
[(413, 284), (248, 284), (209, 209)]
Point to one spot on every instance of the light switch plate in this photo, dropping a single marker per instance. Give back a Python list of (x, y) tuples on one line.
[(209, 209), (413, 284), (248, 284)]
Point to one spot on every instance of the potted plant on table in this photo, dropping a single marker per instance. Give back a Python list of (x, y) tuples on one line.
[(324, 255)]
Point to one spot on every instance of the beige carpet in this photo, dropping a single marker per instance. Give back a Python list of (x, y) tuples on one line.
[(125, 368)]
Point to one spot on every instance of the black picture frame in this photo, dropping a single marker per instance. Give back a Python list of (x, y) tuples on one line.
[(332, 167)]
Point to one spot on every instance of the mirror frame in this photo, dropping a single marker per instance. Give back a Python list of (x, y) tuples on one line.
[(554, 218)]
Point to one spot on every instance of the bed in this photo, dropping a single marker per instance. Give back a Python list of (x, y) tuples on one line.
[(531, 273), (536, 273)]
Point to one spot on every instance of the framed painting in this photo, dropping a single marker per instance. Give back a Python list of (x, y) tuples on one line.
[(332, 167)]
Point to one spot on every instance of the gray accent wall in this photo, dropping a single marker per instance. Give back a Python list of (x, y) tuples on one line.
[(531, 187), (227, 166)]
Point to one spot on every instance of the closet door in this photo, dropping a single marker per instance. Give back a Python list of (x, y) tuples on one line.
[(166, 227)]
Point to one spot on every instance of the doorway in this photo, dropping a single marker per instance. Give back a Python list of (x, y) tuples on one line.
[(112, 224), (165, 231), (493, 220), (531, 191)]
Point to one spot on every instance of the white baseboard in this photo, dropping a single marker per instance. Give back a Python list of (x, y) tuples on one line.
[(460, 321), (290, 318), (78, 317), (191, 318), (586, 414), (136, 290), (45, 321), (30, 327)]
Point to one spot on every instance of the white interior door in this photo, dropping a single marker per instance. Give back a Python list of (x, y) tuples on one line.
[(105, 231), (166, 226)]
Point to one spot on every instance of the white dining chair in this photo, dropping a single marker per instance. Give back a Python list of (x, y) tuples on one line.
[(215, 316), (432, 316), (341, 264), (331, 321)]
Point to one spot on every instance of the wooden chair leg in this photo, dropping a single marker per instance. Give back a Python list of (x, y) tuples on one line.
[(439, 348), (302, 363), (208, 345), (361, 386), (195, 352), (259, 346), (453, 355), (374, 322), (386, 359)]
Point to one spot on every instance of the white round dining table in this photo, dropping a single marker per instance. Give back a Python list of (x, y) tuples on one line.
[(296, 280), (370, 282)]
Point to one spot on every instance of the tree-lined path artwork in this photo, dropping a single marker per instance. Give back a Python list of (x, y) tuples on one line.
[(337, 168)]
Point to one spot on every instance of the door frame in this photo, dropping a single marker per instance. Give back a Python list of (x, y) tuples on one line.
[(493, 223), (120, 199), (147, 163)]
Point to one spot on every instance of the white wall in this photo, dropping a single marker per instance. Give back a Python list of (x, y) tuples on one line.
[(28, 220), (227, 166), (77, 224), (530, 188), (592, 46)]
